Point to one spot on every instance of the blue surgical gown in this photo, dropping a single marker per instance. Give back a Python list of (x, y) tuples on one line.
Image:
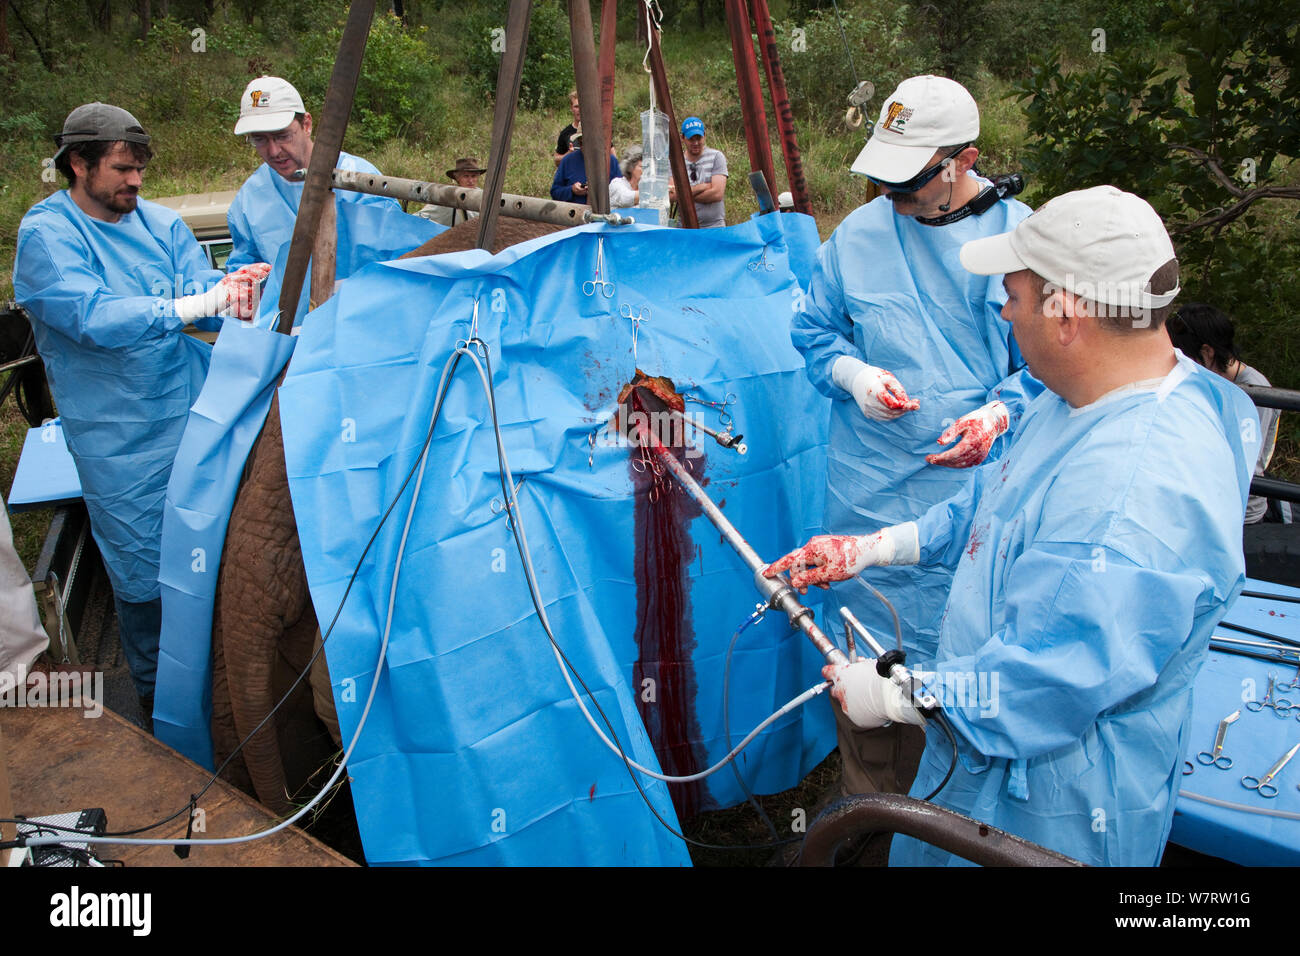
[(891, 291), (1092, 564), (122, 372), (262, 215)]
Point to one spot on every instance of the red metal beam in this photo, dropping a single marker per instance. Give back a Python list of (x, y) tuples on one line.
[(781, 105), (608, 35), (751, 92)]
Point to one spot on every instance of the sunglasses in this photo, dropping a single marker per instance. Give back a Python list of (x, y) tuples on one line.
[(920, 180)]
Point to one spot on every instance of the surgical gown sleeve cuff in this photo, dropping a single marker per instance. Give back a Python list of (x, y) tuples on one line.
[(943, 529), (1016, 391)]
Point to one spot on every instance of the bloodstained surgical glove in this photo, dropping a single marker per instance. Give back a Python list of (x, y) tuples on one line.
[(234, 296), (875, 391), (978, 430), (868, 699), (838, 557)]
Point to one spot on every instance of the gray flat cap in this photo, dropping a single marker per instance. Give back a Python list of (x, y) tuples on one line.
[(99, 122)]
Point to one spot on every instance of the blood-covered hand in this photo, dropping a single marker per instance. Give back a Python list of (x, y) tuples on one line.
[(978, 430), (876, 392), (235, 295), (838, 557)]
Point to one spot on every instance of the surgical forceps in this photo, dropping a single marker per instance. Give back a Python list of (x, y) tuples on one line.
[(1262, 786), (1213, 757), (591, 285), (1281, 706), (762, 263), (497, 506)]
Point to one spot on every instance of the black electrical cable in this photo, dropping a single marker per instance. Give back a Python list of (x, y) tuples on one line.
[(938, 716)]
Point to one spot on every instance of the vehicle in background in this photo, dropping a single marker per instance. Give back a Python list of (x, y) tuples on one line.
[(205, 214)]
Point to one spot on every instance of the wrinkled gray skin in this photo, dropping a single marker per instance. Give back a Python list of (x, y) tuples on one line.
[(263, 623)]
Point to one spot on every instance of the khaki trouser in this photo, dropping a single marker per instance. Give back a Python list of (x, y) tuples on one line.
[(883, 760)]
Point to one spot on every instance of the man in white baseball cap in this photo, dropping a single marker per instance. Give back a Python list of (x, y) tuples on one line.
[(1092, 562), (278, 127), (910, 348)]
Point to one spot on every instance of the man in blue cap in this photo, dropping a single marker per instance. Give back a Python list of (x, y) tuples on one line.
[(110, 281), (706, 168)]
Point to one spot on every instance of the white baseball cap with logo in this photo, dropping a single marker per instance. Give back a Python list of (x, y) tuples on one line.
[(268, 104), (1102, 244), (922, 115)]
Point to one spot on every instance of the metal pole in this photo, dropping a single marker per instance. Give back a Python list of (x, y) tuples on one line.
[(777, 591), (659, 76), (858, 817), (594, 158), (751, 94), (781, 105), (460, 197), (608, 37), (325, 155), (503, 118)]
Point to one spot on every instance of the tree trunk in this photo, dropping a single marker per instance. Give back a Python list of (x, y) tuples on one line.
[(6, 48), (144, 10)]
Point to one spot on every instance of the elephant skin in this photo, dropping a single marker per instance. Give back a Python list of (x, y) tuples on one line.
[(264, 625)]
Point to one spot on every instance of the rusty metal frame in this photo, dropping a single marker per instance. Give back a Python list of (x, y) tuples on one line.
[(854, 819)]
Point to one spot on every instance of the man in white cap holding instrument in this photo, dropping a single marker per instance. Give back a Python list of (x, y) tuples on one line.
[(911, 349), (1093, 561), (278, 127)]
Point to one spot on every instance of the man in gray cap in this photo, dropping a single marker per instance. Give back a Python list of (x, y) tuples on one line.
[(110, 281), (278, 127)]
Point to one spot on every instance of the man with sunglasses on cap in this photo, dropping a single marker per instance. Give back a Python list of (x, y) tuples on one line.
[(278, 127), (110, 280), (1093, 561), (911, 349)]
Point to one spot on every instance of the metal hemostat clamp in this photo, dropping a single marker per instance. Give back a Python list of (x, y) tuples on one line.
[(889, 664), (1213, 757), (725, 439), (1263, 785)]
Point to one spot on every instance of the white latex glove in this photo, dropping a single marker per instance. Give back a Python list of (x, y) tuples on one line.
[(234, 296), (838, 557), (978, 430), (868, 699), (875, 391)]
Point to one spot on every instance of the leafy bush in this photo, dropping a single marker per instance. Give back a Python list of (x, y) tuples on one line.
[(819, 78), (548, 66), (1201, 151), (397, 93)]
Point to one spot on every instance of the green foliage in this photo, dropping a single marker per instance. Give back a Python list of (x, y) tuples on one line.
[(548, 67), (883, 50), (398, 86), (1174, 138)]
